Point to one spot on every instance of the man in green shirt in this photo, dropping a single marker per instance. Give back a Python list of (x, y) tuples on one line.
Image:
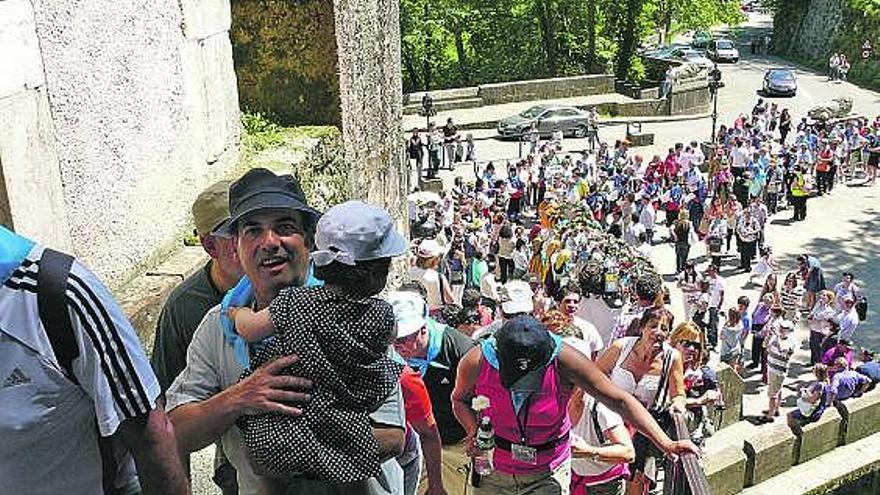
[(188, 303)]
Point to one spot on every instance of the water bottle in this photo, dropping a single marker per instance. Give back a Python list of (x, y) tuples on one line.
[(485, 441)]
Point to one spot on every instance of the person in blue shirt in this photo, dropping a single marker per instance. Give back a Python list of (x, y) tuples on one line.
[(869, 367)]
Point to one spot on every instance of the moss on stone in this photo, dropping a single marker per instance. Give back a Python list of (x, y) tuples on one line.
[(285, 59), (311, 153)]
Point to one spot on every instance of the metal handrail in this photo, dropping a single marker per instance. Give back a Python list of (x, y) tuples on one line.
[(685, 476)]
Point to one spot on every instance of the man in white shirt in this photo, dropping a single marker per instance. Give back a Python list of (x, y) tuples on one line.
[(592, 340), (716, 301), (739, 157), (646, 217), (848, 319), (79, 411)]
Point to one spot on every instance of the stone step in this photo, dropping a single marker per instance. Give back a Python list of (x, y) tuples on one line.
[(823, 474), (445, 105), (733, 434)]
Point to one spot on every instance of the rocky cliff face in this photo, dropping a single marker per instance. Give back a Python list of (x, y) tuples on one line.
[(809, 31), (285, 60)]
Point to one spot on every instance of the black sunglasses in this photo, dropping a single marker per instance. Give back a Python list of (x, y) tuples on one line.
[(690, 343)]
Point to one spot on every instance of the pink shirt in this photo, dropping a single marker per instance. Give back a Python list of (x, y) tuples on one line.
[(547, 420)]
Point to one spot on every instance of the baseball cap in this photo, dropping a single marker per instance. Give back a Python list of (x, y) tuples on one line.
[(260, 189), (410, 312), (211, 207), (516, 297), (356, 231), (429, 248), (524, 346)]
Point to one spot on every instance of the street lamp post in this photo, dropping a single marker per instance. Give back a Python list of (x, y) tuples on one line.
[(427, 49), (714, 85), (428, 108)]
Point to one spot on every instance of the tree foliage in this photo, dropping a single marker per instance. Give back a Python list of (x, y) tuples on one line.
[(453, 43)]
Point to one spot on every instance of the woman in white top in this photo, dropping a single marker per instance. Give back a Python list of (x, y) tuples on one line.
[(652, 371), (426, 272), (601, 448)]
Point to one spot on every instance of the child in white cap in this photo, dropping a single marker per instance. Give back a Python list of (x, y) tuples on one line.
[(341, 333)]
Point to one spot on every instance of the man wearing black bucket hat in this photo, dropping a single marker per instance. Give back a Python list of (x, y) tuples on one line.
[(274, 228), (523, 377)]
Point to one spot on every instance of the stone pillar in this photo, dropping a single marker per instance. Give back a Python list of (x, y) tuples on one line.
[(31, 197), (368, 44)]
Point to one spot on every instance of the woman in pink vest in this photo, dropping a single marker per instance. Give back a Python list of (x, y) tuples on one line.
[(527, 375)]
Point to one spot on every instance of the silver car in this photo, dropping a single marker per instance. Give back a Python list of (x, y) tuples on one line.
[(690, 55), (571, 121), (780, 81)]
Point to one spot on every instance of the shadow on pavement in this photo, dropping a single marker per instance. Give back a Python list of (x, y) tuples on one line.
[(857, 254)]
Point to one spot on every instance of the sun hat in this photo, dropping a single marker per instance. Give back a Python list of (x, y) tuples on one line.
[(429, 248), (260, 189), (356, 231), (211, 207), (410, 312), (516, 297), (523, 346)]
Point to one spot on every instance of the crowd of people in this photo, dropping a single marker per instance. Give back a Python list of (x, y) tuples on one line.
[(530, 348), (581, 226)]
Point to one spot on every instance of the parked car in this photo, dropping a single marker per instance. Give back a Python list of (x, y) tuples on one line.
[(571, 121), (722, 50), (701, 39), (780, 81), (695, 57)]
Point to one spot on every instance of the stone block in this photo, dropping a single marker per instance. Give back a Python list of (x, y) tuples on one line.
[(21, 65), (205, 18), (815, 439), (211, 96), (142, 298), (432, 185), (690, 100), (732, 389), (33, 197), (641, 108), (860, 417), (725, 470), (768, 453)]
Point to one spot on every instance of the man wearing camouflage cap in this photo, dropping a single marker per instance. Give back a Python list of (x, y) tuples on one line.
[(204, 289)]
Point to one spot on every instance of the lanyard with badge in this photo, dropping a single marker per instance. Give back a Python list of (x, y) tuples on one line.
[(520, 451)]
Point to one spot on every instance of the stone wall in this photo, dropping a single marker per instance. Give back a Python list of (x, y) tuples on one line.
[(511, 92), (285, 60), (543, 89), (116, 114)]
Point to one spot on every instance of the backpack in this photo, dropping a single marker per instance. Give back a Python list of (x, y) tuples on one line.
[(53, 308), (862, 308)]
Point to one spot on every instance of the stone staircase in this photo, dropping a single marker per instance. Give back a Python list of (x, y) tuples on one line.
[(744, 454)]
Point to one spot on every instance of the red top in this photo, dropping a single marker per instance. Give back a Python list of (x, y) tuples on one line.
[(416, 401)]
